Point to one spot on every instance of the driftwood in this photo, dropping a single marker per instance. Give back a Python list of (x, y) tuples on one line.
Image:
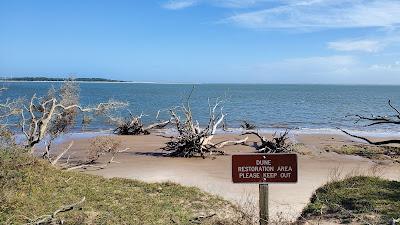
[(55, 161), (133, 125), (278, 143), (51, 218), (378, 120), (192, 140), (395, 221)]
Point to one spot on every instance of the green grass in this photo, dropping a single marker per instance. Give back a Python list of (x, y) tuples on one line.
[(368, 151), (30, 188), (363, 199)]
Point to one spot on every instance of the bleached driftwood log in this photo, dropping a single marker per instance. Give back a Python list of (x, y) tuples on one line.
[(55, 161)]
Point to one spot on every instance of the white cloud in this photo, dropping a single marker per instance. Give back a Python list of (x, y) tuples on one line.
[(311, 65), (392, 67), (182, 4), (304, 14), (179, 4), (357, 45), (236, 3), (337, 69), (319, 14), (375, 44)]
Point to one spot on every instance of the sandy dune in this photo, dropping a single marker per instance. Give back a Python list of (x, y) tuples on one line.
[(144, 162)]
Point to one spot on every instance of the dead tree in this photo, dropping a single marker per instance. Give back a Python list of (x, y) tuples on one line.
[(102, 145), (99, 146), (192, 140), (55, 114), (278, 143), (133, 125), (378, 120)]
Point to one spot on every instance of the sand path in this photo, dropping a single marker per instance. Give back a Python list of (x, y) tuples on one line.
[(316, 166)]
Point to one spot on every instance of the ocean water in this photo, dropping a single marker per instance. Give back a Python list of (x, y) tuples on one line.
[(305, 108)]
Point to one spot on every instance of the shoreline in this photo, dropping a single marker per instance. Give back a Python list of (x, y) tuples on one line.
[(263, 131)]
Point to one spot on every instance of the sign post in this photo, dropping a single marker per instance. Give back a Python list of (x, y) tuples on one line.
[(264, 169), (263, 202)]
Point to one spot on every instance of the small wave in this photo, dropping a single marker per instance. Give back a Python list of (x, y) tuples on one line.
[(268, 130)]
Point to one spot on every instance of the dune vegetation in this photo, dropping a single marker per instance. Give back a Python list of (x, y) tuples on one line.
[(31, 192), (360, 199)]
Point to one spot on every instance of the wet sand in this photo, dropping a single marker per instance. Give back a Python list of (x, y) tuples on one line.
[(144, 161)]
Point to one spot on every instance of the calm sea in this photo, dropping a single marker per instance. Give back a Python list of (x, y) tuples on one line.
[(306, 108)]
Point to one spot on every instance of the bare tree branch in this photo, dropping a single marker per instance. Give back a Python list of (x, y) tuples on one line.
[(378, 120), (278, 144), (54, 162), (51, 219), (394, 141), (99, 146)]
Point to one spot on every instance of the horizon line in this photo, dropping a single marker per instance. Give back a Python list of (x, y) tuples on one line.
[(202, 83)]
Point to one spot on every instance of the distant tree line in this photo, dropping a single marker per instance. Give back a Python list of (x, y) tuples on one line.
[(95, 79)]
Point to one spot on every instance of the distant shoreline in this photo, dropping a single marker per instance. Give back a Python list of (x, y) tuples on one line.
[(53, 79), (104, 82), (59, 81), (172, 83)]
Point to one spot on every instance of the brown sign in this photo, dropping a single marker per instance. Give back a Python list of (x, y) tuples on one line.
[(264, 168)]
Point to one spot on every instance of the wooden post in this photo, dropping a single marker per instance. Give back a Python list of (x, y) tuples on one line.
[(263, 202)]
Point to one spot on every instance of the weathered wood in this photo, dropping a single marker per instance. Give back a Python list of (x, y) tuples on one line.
[(54, 162), (263, 201), (278, 144), (51, 218), (378, 120), (133, 125)]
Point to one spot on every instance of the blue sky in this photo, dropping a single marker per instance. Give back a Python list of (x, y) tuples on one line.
[(204, 41)]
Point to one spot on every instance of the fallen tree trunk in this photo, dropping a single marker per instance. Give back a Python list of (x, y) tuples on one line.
[(133, 125)]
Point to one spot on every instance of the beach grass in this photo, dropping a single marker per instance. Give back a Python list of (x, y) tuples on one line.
[(30, 188), (366, 200), (368, 151)]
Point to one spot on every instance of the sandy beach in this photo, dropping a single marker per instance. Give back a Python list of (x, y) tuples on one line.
[(145, 161)]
